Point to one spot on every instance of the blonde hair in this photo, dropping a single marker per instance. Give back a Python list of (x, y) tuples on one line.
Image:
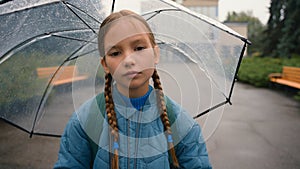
[(111, 114)]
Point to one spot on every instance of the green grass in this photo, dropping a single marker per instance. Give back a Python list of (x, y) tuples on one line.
[(255, 70)]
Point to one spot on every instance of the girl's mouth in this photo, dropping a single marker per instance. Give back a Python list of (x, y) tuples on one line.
[(132, 74)]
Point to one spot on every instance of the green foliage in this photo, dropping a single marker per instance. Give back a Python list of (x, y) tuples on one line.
[(19, 78), (255, 70), (283, 34), (297, 96), (22, 85)]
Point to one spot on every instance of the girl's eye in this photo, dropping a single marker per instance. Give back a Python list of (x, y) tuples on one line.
[(139, 48), (114, 53)]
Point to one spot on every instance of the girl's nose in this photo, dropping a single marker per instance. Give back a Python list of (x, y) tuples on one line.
[(129, 60)]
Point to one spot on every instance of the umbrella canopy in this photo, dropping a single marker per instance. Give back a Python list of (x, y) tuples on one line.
[(45, 43)]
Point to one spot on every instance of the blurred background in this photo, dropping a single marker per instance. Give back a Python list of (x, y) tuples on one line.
[(260, 130), (271, 25)]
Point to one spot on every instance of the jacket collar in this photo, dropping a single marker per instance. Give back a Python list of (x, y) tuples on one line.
[(148, 113)]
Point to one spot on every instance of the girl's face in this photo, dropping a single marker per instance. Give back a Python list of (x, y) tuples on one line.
[(129, 56)]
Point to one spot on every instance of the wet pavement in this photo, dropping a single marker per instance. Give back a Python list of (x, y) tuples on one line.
[(260, 130)]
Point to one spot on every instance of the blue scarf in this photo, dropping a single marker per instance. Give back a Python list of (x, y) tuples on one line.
[(138, 102)]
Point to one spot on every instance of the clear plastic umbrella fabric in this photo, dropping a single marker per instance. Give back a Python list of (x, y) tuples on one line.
[(44, 43)]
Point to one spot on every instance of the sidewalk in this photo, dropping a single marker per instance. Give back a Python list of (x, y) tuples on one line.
[(260, 130)]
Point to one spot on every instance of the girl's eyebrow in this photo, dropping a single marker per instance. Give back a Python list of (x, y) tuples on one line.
[(111, 48), (140, 40), (136, 42), (133, 42)]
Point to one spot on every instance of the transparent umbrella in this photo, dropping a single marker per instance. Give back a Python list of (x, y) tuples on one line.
[(49, 61)]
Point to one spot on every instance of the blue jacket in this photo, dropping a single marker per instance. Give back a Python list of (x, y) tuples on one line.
[(142, 142)]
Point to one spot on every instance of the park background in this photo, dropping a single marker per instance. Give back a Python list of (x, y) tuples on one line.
[(275, 43), (273, 28)]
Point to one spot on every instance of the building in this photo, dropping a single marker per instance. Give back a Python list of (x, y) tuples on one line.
[(205, 7), (239, 27), (210, 8)]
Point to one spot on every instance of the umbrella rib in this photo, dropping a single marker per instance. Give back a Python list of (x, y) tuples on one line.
[(13, 124), (230, 93), (4, 57), (28, 8), (44, 95), (70, 38), (84, 12), (9, 53), (198, 17), (42, 99), (156, 12), (46, 134), (68, 6), (237, 69), (4, 1), (113, 6), (78, 56), (185, 54), (161, 10), (206, 20), (71, 56), (211, 108), (48, 86)]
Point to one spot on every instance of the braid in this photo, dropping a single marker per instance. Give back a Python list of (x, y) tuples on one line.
[(112, 119), (164, 116)]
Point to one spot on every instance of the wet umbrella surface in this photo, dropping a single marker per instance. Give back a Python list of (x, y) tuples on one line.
[(49, 56)]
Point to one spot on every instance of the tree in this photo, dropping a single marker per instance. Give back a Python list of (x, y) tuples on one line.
[(289, 42), (255, 28), (274, 26), (282, 34)]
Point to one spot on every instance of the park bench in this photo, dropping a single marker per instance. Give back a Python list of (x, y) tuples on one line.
[(67, 74), (290, 76)]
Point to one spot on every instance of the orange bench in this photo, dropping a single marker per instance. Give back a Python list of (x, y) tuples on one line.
[(66, 74), (290, 76)]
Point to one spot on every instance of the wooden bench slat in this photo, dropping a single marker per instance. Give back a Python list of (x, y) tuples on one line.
[(288, 83), (290, 76), (70, 80), (67, 74)]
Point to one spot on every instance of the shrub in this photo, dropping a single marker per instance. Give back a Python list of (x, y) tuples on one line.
[(19, 79), (255, 70)]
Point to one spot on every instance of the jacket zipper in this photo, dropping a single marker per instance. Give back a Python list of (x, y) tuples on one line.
[(137, 136), (128, 143)]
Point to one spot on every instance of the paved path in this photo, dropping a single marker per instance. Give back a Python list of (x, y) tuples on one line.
[(260, 130)]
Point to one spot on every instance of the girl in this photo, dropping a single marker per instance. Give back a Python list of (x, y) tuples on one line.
[(141, 128)]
